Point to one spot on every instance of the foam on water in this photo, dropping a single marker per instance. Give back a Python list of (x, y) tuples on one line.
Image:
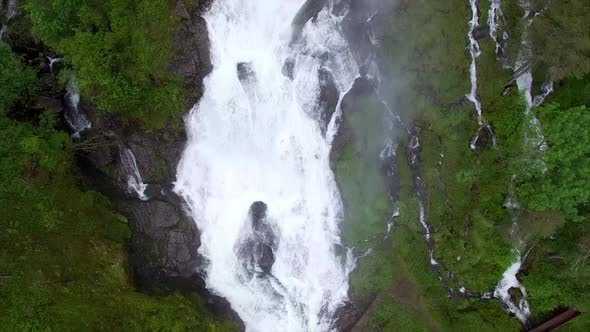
[(265, 145)]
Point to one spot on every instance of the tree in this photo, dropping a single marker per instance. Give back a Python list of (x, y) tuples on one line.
[(565, 184), (16, 81), (561, 37), (121, 51)]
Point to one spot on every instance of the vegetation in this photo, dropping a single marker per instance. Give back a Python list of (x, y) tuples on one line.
[(63, 263), (120, 50), (17, 82), (561, 37), (427, 67)]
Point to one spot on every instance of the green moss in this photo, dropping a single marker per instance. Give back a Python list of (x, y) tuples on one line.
[(367, 206), (121, 52)]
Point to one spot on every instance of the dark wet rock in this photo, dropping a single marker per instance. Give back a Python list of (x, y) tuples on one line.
[(459, 103), (191, 60), (288, 68), (308, 11), (258, 213), (485, 138), (257, 250), (246, 72), (164, 244), (481, 32), (327, 99), (347, 317), (53, 105), (181, 11)]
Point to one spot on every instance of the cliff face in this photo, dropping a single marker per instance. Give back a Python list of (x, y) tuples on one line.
[(165, 241)]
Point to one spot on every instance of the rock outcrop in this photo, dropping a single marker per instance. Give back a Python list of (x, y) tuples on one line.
[(257, 250), (165, 240)]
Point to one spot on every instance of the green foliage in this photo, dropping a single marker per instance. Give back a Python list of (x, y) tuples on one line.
[(565, 184), (561, 37), (367, 206), (121, 51), (16, 81), (424, 48), (559, 272), (62, 250), (63, 264)]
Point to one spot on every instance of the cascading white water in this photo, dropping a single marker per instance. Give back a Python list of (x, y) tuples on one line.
[(53, 61), (11, 9), (75, 118), (521, 310), (475, 52), (525, 82), (494, 15), (264, 145), (3, 32), (134, 181), (546, 90)]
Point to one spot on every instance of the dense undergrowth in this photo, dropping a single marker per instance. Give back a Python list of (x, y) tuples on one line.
[(63, 255), (428, 70), (52, 224), (121, 52)]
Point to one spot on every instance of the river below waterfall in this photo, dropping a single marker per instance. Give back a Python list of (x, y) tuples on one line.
[(254, 137)]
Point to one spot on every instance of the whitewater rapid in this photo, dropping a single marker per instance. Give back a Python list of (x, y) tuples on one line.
[(262, 141)]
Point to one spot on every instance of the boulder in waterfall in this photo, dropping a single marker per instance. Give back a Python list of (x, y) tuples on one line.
[(256, 251), (288, 68), (246, 73)]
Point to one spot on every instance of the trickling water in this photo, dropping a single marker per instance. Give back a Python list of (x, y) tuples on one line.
[(546, 90), (134, 180), (264, 145), (3, 32), (525, 83), (11, 9), (494, 15), (53, 61), (475, 52), (75, 118), (521, 309)]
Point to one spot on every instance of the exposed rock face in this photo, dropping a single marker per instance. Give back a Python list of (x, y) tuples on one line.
[(308, 11), (165, 241), (257, 251), (327, 99), (192, 61)]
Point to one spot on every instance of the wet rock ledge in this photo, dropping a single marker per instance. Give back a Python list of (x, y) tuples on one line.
[(165, 240)]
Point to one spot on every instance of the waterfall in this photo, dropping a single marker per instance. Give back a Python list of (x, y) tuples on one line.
[(52, 62), (254, 141), (495, 14), (509, 281), (11, 9), (475, 52), (525, 84), (76, 119), (134, 181)]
